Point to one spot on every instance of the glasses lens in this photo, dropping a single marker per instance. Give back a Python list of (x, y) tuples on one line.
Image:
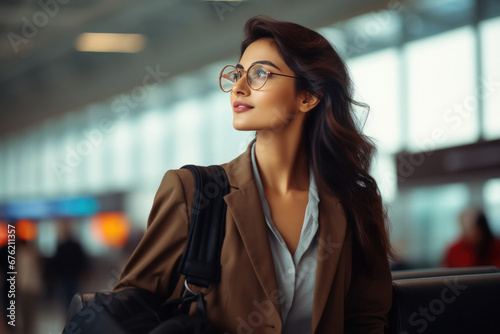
[(257, 76), (228, 77)]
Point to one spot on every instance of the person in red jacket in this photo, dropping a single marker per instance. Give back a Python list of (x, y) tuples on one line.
[(476, 246)]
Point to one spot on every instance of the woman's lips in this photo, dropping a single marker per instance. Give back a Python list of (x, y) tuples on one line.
[(241, 107)]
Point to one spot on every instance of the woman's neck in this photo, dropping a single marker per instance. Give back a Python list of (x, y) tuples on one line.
[(282, 161)]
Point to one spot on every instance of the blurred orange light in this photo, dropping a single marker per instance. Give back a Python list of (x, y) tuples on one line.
[(26, 229), (111, 228), (3, 234)]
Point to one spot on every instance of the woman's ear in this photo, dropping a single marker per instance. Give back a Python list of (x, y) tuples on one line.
[(308, 101)]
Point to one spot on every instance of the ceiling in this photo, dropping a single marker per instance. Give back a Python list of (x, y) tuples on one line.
[(42, 75)]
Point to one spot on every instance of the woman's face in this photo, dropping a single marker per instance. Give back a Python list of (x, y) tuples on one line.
[(273, 106), (471, 232)]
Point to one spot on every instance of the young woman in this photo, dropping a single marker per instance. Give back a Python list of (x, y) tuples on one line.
[(477, 246), (306, 247)]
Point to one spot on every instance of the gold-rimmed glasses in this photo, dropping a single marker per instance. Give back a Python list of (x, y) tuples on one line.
[(256, 77)]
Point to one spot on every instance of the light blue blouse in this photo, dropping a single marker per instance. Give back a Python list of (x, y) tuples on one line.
[(295, 275)]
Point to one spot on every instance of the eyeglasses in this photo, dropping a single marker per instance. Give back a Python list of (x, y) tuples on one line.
[(256, 77)]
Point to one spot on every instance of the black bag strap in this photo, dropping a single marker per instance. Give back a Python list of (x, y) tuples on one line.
[(200, 261)]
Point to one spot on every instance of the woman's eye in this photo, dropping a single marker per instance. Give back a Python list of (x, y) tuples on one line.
[(258, 73), (261, 73), (233, 76)]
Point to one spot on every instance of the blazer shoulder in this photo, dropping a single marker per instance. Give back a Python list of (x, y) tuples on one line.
[(179, 180), (180, 183), (184, 177)]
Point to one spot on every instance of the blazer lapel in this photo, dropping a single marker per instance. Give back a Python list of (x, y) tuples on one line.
[(243, 203), (332, 231)]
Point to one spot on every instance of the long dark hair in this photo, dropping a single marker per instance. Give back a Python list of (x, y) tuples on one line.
[(487, 240), (338, 152)]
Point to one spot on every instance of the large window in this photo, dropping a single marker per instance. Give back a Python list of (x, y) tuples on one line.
[(491, 196), (442, 100), (416, 64), (376, 81), (430, 222), (490, 35), (153, 152)]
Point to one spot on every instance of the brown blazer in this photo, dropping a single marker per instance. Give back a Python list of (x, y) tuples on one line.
[(247, 298)]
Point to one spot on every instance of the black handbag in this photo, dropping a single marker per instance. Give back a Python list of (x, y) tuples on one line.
[(135, 310)]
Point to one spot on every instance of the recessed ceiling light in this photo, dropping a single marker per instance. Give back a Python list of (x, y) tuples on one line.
[(108, 42)]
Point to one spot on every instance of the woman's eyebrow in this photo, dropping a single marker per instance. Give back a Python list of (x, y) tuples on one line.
[(263, 62)]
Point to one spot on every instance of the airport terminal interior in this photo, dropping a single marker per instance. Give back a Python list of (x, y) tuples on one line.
[(87, 133)]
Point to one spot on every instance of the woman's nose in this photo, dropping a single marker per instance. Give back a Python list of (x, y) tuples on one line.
[(241, 86)]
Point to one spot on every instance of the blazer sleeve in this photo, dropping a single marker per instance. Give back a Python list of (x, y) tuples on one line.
[(153, 264), (369, 299)]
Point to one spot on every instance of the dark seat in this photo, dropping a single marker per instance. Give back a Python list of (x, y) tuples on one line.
[(450, 300), (447, 304), (437, 272), (78, 303)]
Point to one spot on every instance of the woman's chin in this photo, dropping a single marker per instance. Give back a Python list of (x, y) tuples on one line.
[(242, 126)]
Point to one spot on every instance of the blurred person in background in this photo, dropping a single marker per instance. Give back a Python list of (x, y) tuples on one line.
[(4, 290), (29, 285), (476, 246), (68, 265)]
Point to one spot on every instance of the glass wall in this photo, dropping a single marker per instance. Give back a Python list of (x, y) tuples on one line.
[(442, 100), (376, 79), (491, 193), (428, 70), (490, 81)]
